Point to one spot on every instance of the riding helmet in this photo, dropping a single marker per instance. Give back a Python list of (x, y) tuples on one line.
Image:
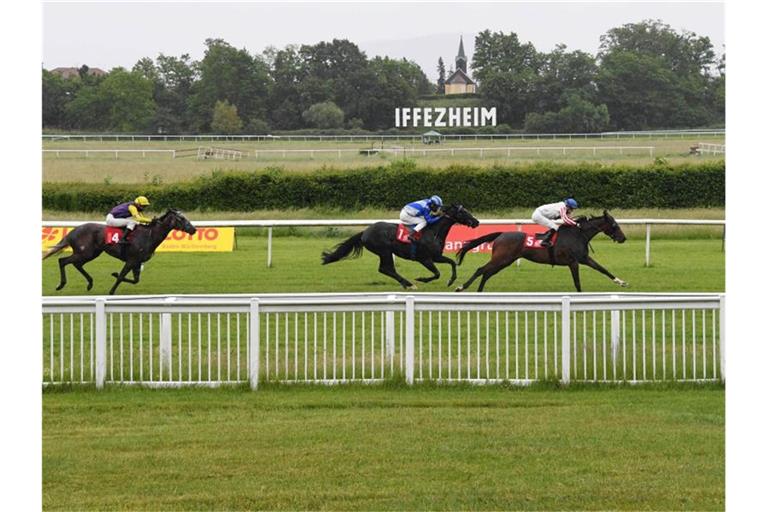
[(436, 200), (571, 203), (141, 200)]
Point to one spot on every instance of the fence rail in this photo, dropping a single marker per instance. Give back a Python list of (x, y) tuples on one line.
[(329, 338), (115, 152), (270, 224), (666, 134), (713, 149)]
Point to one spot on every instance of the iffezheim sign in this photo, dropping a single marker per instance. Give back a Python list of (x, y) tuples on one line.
[(443, 117)]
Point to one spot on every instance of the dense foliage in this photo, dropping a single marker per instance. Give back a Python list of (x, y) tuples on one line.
[(595, 185), (645, 75)]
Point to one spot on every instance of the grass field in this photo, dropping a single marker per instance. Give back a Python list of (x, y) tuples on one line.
[(154, 168), (677, 265), (385, 448)]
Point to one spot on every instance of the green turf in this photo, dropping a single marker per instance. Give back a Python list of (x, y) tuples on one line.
[(677, 265), (385, 448)]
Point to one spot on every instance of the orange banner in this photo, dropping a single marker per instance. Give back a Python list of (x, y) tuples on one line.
[(204, 240)]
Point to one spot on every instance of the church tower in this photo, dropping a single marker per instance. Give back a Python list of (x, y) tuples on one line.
[(461, 58)]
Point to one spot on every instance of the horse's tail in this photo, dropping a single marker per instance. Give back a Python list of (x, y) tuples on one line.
[(352, 247), (56, 248), (468, 246)]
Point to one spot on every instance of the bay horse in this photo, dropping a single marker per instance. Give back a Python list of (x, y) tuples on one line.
[(571, 248), (88, 242), (380, 238)]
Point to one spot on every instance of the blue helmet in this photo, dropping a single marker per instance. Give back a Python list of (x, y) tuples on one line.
[(571, 203), (436, 200)]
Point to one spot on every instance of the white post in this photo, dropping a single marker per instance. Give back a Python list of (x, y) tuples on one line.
[(647, 245), (722, 338), (409, 335), (101, 342), (565, 340), (269, 247), (165, 341), (253, 344), (390, 332), (519, 228), (615, 332)]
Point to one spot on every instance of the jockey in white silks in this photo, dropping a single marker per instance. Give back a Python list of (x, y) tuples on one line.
[(546, 215)]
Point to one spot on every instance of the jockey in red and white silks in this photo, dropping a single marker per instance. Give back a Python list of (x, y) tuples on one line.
[(546, 215)]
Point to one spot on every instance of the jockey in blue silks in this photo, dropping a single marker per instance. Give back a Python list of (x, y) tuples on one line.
[(418, 215)]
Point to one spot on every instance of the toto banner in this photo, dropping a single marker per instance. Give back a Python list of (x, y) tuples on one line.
[(460, 234), (204, 240)]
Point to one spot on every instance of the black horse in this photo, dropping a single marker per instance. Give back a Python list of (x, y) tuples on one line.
[(380, 239), (87, 242), (571, 248)]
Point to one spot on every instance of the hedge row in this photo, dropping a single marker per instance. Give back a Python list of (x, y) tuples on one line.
[(598, 186)]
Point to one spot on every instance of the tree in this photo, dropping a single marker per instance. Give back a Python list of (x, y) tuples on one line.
[(57, 93), (440, 76), (563, 74), (225, 118), (577, 116), (324, 115), (226, 73), (652, 76), (507, 72)]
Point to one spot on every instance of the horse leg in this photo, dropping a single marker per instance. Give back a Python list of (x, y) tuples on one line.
[(500, 259), (63, 262), (136, 274), (574, 266), (79, 266), (120, 277), (595, 265), (445, 259), (491, 272), (387, 267), (429, 264)]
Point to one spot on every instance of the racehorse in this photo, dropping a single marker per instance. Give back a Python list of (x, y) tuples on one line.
[(571, 248), (88, 241), (380, 238)]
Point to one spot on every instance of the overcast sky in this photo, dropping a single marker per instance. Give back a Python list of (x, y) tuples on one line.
[(106, 35)]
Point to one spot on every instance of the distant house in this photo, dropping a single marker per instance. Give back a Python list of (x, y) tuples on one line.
[(459, 82), (67, 73)]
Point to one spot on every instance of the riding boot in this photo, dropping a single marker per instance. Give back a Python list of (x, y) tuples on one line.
[(547, 240), (413, 247)]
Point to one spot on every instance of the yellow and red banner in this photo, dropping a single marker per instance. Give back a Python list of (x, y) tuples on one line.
[(219, 239)]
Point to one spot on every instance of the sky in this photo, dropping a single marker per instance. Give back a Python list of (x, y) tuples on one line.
[(107, 35)]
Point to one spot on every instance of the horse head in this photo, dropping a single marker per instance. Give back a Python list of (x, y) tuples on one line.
[(459, 214), (610, 227), (178, 221)]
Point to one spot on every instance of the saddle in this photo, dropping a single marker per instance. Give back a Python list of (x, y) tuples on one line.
[(113, 235), (402, 234), (533, 241)]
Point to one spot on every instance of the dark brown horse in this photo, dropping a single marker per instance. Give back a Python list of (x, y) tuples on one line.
[(87, 243), (380, 239), (571, 249)]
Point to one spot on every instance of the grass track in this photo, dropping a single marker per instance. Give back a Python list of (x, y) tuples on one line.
[(678, 265), (385, 448)]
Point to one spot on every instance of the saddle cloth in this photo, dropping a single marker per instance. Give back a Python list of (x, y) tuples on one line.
[(112, 235), (532, 241), (402, 234)]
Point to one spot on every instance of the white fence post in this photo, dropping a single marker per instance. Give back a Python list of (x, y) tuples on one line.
[(269, 246), (615, 333), (253, 344), (409, 339), (565, 338), (390, 332), (165, 341), (647, 245), (722, 338), (101, 342)]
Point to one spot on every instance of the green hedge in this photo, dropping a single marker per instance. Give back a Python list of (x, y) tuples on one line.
[(598, 186)]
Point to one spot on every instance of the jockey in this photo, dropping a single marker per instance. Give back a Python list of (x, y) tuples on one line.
[(127, 215), (418, 214), (546, 215)]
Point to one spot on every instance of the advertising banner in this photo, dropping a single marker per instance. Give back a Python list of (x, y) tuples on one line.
[(460, 234), (218, 239)]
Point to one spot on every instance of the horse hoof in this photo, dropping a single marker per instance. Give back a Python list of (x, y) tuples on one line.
[(59, 287), (411, 287), (459, 289), (90, 285), (115, 275), (422, 279), (621, 283)]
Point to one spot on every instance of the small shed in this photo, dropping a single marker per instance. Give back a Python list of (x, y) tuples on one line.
[(431, 137)]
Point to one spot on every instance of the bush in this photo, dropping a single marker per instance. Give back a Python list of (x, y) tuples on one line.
[(390, 186)]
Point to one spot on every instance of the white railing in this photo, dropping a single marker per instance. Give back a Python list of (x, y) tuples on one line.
[(338, 338), (270, 224), (665, 134), (482, 152), (115, 152), (714, 149)]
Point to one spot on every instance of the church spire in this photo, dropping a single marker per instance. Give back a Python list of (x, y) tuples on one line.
[(461, 58)]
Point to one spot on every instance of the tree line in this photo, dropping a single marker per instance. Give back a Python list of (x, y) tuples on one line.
[(645, 75)]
